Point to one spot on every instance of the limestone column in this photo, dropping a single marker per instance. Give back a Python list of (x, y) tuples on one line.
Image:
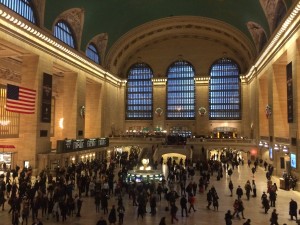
[(28, 136), (93, 112), (159, 104)]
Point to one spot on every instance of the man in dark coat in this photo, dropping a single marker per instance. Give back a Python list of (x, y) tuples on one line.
[(228, 218), (293, 209), (239, 192)]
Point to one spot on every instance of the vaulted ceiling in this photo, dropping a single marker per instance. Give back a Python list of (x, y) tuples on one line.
[(249, 22)]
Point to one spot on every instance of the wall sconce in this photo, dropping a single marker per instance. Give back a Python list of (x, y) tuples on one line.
[(266, 145), (260, 144), (285, 149), (276, 147), (61, 123)]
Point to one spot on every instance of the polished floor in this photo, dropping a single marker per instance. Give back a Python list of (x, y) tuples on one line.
[(202, 216)]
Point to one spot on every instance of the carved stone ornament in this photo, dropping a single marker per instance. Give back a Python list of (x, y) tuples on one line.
[(274, 10), (258, 35), (10, 75), (75, 18)]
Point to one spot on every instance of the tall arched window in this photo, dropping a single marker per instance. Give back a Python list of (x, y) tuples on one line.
[(23, 7), (224, 91), (63, 32), (139, 92), (181, 91), (92, 53)]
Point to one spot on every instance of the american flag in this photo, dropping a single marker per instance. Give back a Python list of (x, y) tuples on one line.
[(20, 100)]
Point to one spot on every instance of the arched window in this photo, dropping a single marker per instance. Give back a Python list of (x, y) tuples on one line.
[(224, 91), (23, 7), (139, 92), (92, 53), (63, 32), (181, 91)]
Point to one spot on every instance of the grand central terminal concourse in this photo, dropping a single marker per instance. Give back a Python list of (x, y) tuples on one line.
[(149, 112)]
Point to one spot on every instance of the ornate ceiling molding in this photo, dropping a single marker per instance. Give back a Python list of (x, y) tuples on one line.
[(180, 27), (75, 18), (39, 6), (274, 11), (9, 74), (258, 35)]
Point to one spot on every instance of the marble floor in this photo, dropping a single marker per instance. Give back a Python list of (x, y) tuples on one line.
[(202, 216)]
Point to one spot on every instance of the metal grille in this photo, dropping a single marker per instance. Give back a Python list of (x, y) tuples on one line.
[(92, 53), (139, 92), (9, 121), (22, 7), (63, 33), (224, 91), (181, 91)]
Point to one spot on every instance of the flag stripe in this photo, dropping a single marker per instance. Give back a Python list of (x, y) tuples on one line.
[(20, 100)]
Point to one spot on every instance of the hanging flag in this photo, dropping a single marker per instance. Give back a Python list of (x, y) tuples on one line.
[(20, 100)]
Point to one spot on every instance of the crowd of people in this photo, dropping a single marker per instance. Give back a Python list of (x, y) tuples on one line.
[(59, 196)]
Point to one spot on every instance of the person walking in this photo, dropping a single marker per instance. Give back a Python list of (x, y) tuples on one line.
[(121, 211), (215, 198), (97, 202), (112, 217), (183, 205), (192, 200), (272, 197), (241, 208), (228, 218), (173, 212), (162, 221), (274, 218), (230, 186), (265, 203), (253, 189), (235, 208), (209, 199), (293, 209), (239, 192), (248, 189), (140, 211)]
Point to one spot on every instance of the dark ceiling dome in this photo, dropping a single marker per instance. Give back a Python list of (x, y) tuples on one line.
[(115, 19)]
